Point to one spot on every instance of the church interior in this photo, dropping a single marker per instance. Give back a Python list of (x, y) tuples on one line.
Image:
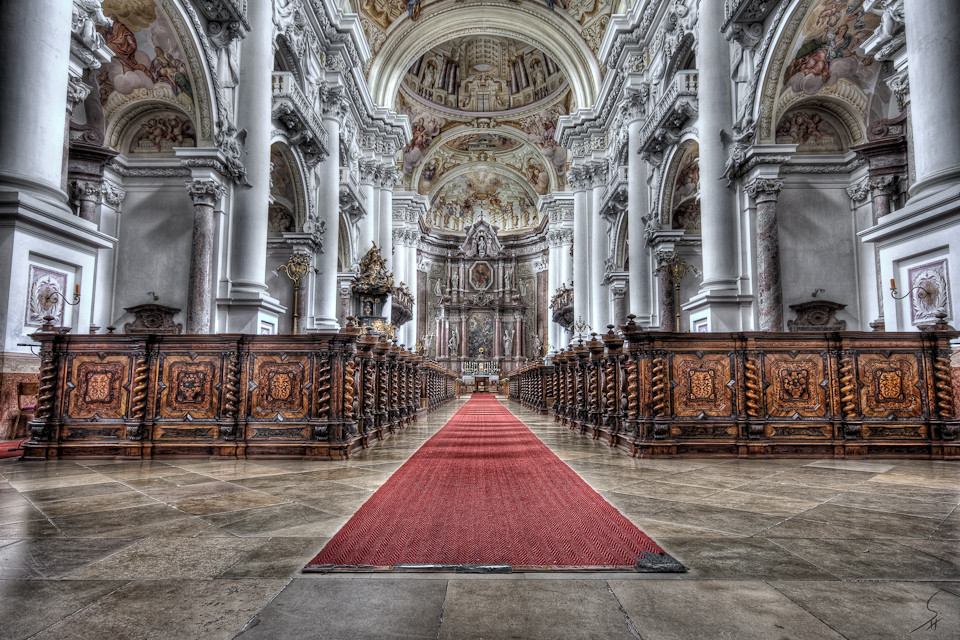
[(262, 255)]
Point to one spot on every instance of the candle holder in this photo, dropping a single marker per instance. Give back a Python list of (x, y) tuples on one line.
[(56, 297), (580, 327), (297, 267), (922, 292), (678, 269)]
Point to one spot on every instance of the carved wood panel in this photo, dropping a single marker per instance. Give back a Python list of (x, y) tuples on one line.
[(795, 384), (280, 386), (190, 387), (889, 385), (701, 385), (100, 387)]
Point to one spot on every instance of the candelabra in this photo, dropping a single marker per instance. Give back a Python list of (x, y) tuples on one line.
[(678, 269), (580, 327), (297, 267)]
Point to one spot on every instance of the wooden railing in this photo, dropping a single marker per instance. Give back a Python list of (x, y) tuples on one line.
[(533, 386), (318, 395), (834, 394)]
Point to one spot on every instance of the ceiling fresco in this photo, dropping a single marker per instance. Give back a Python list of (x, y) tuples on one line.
[(483, 74), (483, 192)]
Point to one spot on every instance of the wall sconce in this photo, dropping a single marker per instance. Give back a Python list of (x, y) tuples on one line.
[(922, 292)]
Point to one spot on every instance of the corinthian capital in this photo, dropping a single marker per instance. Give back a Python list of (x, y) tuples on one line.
[(205, 192), (764, 189)]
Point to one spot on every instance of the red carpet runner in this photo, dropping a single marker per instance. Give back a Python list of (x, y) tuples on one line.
[(485, 491)]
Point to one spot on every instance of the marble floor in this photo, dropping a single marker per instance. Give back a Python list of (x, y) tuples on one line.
[(184, 549)]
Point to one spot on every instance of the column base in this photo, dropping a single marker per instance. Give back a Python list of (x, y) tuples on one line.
[(719, 311), (258, 314), (325, 325)]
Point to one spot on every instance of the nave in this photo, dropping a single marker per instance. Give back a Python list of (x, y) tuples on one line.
[(800, 548)]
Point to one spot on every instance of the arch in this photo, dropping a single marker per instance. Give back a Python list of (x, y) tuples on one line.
[(128, 121), (620, 249), (804, 65), (123, 92), (289, 209), (681, 56), (466, 130), (677, 164), (345, 248), (559, 37)]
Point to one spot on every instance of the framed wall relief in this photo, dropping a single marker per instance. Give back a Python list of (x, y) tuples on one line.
[(45, 291), (929, 292)]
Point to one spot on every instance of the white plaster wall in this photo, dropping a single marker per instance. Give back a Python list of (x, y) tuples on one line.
[(27, 248), (818, 249), (153, 253)]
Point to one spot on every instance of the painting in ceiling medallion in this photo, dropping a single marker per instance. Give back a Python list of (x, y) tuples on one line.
[(825, 52), (483, 194), (483, 74)]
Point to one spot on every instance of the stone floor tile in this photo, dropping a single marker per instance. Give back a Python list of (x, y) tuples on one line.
[(276, 558), (756, 503), (881, 610), (879, 522), (707, 609), (532, 610), (103, 502), (949, 529), (20, 513), (101, 523), (739, 559), (207, 489), (229, 502), (155, 559), (871, 559), (772, 487), (30, 529), (368, 609), (731, 521), (853, 465), (264, 520), (161, 610), (72, 493), (915, 492), (894, 504), (54, 558), (30, 606)]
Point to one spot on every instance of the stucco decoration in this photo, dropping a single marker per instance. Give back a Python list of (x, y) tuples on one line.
[(159, 132), (46, 288), (813, 131), (929, 292)]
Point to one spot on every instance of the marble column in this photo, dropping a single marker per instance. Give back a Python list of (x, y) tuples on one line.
[(637, 208), (769, 287), (933, 49), (517, 335), (388, 178), (463, 336), (205, 195), (618, 292), (553, 283), (87, 196), (498, 331), (718, 205), (579, 179), (668, 302), (599, 251), (248, 221), (35, 49), (369, 172), (328, 204)]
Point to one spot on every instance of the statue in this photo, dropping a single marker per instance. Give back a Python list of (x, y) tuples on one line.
[(507, 342), (453, 342), (538, 346), (437, 289), (481, 245), (87, 16)]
